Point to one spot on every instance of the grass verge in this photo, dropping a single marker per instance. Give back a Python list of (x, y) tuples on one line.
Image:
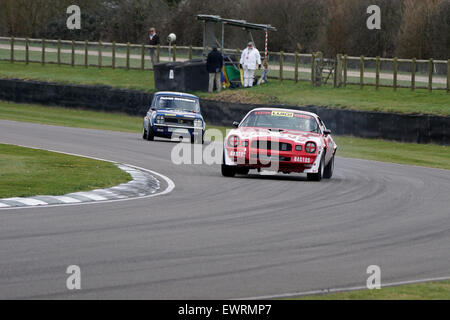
[(420, 291), (288, 92), (430, 155), (28, 172), (131, 79)]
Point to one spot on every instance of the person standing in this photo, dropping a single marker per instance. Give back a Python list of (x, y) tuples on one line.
[(153, 41), (214, 64), (250, 61)]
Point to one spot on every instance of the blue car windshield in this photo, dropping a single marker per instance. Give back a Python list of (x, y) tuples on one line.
[(177, 104)]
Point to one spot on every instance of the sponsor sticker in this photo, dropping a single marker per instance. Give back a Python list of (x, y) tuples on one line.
[(302, 159), (282, 114), (239, 154)]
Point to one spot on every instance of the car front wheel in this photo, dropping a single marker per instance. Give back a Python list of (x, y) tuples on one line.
[(329, 169), (227, 171), (150, 134), (319, 175)]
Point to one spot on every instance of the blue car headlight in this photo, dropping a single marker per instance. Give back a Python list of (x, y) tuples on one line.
[(198, 123)]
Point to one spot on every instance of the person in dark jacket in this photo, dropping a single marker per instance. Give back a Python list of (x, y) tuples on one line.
[(153, 41), (214, 65)]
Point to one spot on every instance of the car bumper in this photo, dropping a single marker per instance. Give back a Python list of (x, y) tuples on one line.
[(169, 130), (280, 161)]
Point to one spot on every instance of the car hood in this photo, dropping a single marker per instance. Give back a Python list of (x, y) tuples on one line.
[(262, 133)]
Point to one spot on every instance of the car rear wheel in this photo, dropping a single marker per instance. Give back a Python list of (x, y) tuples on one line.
[(227, 171), (317, 176), (329, 169)]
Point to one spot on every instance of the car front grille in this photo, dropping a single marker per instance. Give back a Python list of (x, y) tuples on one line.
[(179, 121), (269, 145)]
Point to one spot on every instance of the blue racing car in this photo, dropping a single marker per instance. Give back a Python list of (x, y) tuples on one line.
[(174, 115)]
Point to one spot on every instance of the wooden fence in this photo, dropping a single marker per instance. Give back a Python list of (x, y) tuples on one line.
[(363, 71)]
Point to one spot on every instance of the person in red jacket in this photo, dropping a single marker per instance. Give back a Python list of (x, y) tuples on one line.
[(153, 41)]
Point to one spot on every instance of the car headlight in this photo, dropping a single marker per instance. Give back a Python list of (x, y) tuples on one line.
[(198, 123), (160, 119), (310, 147), (233, 141)]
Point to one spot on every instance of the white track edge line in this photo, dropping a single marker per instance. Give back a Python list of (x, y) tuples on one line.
[(338, 290), (170, 184)]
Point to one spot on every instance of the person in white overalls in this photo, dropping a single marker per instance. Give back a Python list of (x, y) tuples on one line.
[(250, 61)]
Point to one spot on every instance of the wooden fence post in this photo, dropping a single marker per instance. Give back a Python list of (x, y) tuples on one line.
[(430, 75), (395, 73), (12, 49), (43, 52), (158, 51), (143, 57), (128, 56), (73, 54), (281, 65), (86, 54), (296, 66), (313, 68), (377, 76), (345, 69), (174, 52), (361, 77), (59, 53), (27, 51), (114, 55), (448, 76), (413, 74), (100, 54), (339, 70), (190, 52)]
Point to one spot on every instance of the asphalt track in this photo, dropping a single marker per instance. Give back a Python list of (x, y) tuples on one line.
[(219, 238)]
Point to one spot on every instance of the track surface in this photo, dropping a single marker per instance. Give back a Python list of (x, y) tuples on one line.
[(214, 238)]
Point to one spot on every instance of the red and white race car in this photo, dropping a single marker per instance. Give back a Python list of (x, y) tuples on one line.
[(280, 140)]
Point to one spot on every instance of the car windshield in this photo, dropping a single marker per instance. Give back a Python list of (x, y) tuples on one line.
[(177, 103), (281, 120)]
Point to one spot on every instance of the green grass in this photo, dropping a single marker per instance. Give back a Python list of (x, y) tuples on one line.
[(27, 172), (69, 117), (420, 291), (131, 79), (289, 93), (430, 155), (352, 97)]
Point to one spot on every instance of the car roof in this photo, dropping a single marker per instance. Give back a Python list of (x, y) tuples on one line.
[(176, 94), (287, 110)]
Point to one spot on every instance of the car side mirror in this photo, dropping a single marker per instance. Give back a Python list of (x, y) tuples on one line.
[(327, 132), (236, 124)]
